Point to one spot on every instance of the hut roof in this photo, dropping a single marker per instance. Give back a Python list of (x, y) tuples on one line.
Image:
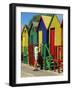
[(35, 24), (25, 28), (47, 20)]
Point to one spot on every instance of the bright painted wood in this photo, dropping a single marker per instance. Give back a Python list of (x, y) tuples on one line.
[(58, 31), (24, 41), (40, 39), (47, 20), (33, 36)]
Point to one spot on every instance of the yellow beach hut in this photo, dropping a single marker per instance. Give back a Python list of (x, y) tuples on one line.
[(55, 42), (55, 25), (24, 44), (24, 36), (55, 38)]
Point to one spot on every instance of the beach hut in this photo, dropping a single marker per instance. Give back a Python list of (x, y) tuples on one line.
[(55, 40), (32, 41), (24, 44), (24, 36), (43, 32), (55, 34), (32, 35), (43, 38)]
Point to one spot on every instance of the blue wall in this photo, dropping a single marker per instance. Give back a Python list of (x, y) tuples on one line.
[(43, 28)]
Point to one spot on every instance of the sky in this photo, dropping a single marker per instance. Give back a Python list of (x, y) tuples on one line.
[(26, 17)]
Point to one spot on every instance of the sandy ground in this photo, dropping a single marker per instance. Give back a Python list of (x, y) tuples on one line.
[(27, 71)]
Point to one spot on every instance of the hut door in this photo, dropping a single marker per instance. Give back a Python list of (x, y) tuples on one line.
[(23, 42), (40, 38), (52, 36)]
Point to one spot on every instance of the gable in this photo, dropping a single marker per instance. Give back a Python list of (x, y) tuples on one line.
[(55, 22), (58, 31), (46, 20), (24, 32), (24, 29)]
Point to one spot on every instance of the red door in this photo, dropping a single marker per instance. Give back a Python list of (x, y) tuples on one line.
[(31, 55), (52, 37)]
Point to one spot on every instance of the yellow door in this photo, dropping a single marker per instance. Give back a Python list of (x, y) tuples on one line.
[(40, 39), (23, 42)]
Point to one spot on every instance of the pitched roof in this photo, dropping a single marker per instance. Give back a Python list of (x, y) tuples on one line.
[(47, 20), (25, 28), (35, 24), (55, 22)]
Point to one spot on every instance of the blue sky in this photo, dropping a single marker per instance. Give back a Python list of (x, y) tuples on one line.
[(60, 17), (26, 17)]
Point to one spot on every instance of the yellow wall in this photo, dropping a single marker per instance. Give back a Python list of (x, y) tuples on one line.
[(40, 38), (58, 37), (47, 20), (24, 40), (56, 24)]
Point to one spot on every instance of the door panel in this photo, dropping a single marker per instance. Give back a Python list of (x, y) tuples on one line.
[(40, 38), (52, 37)]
